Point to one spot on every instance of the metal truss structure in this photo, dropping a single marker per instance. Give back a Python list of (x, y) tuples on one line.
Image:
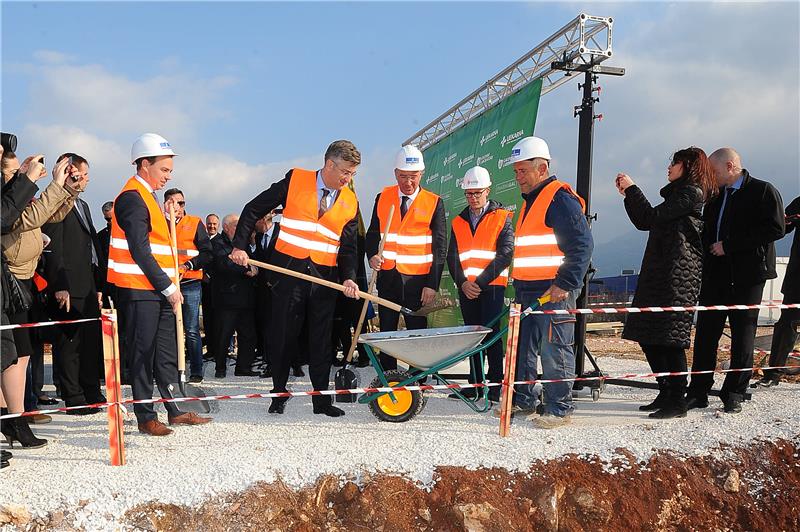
[(583, 41)]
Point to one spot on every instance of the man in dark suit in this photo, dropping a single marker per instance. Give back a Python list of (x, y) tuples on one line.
[(784, 334), (104, 238), (317, 237), (141, 265), (740, 228), (209, 329), (73, 271), (234, 304)]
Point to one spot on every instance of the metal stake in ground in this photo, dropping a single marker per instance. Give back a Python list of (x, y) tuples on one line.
[(346, 378)]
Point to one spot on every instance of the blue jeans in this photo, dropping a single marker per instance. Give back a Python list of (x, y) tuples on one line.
[(551, 336), (192, 295)]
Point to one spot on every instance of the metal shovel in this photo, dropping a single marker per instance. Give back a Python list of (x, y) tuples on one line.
[(183, 388), (346, 378)]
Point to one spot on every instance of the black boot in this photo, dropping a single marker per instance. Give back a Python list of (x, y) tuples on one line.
[(676, 404), (17, 429), (661, 400)]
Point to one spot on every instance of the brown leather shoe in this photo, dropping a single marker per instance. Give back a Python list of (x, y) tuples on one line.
[(154, 428), (40, 419), (189, 418)]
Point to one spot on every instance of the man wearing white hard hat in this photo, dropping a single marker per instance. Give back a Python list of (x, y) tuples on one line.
[(480, 253), (141, 266), (414, 253), (553, 246)]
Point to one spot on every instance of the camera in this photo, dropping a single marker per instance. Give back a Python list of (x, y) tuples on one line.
[(9, 142)]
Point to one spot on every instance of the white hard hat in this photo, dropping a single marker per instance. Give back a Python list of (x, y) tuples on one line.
[(150, 145), (476, 177), (530, 148), (409, 158)]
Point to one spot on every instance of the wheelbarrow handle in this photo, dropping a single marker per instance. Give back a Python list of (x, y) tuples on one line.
[(330, 284)]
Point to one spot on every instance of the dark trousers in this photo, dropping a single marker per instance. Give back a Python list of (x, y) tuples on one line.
[(481, 311), (710, 325), (294, 303), (209, 329), (405, 290), (345, 319), (153, 349), (664, 359), (241, 320), (784, 337), (77, 355), (263, 313)]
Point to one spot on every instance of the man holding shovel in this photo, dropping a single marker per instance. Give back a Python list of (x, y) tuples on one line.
[(141, 266), (416, 245), (318, 238)]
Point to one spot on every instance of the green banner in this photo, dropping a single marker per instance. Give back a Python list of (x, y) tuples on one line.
[(487, 142)]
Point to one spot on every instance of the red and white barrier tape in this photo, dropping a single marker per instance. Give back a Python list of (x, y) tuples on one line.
[(44, 323), (422, 387), (636, 310)]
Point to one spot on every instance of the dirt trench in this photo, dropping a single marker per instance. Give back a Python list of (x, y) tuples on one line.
[(756, 488)]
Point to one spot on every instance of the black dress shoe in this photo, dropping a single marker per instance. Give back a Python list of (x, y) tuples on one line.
[(6, 455), (266, 373), (83, 411), (46, 400), (733, 407), (696, 402), (766, 382), (277, 406), (329, 410), (298, 371), (195, 379), (246, 373), (661, 401), (669, 412)]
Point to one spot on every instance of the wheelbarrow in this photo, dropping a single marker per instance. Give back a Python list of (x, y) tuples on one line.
[(427, 352)]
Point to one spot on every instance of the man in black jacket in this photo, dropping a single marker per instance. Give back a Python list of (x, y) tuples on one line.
[(481, 250), (317, 237), (234, 303), (740, 228), (73, 271), (784, 334)]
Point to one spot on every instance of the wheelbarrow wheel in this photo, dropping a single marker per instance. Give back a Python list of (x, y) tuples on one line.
[(408, 405)]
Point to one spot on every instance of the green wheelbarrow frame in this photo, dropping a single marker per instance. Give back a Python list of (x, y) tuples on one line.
[(479, 404)]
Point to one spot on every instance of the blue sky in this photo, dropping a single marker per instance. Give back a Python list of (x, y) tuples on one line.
[(244, 91)]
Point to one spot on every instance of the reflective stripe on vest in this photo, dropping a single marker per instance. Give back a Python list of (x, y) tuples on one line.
[(303, 234), (537, 256), (186, 230), (122, 269), (409, 243), (476, 251)]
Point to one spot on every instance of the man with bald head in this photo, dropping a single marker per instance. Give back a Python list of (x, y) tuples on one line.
[(740, 227)]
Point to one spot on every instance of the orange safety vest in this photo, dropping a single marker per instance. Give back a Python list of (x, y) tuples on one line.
[(409, 242), (186, 230), (476, 251), (537, 256), (303, 234), (122, 269)]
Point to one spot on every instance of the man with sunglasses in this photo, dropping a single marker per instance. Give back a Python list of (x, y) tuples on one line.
[(194, 254), (414, 254), (480, 252)]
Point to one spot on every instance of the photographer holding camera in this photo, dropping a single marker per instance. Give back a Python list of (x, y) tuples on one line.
[(22, 246)]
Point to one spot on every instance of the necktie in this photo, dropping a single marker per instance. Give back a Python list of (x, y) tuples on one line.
[(403, 206), (323, 202), (724, 218)]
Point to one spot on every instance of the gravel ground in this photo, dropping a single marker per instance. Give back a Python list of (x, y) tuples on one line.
[(245, 445)]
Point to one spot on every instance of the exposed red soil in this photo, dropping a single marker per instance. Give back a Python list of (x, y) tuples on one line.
[(754, 489)]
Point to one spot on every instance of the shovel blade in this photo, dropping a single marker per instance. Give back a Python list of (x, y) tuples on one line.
[(182, 389), (346, 379)]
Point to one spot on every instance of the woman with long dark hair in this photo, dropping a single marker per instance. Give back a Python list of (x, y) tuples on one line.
[(671, 271)]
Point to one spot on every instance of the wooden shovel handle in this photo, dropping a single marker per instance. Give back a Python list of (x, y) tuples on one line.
[(173, 241), (330, 284), (372, 282)]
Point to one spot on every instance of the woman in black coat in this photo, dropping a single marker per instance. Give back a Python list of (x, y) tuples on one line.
[(671, 271)]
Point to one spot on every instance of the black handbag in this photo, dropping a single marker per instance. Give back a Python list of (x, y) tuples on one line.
[(19, 298)]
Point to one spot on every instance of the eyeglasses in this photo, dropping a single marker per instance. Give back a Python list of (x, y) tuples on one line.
[(344, 172), (474, 194)]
